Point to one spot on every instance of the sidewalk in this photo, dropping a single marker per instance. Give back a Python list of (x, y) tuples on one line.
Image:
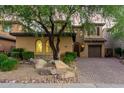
[(78, 85)]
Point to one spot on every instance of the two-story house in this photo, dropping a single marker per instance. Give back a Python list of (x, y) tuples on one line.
[(85, 43)]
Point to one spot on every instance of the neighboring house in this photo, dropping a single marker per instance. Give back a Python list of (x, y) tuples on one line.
[(111, 43), (6, 40)]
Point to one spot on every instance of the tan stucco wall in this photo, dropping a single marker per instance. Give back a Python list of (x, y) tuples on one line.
[(66, 44), (85, 52), (28, 43)]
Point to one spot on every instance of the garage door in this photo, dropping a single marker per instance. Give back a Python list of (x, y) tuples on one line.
[(94, 51)]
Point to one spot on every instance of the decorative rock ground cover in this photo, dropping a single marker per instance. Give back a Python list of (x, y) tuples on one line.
[(27, 74)]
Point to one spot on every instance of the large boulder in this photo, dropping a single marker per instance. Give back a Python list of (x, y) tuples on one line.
[(68, 74), (40, 63), (44, 71), (63, 70), (60, 65)]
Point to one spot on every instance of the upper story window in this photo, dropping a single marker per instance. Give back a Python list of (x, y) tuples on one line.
[(91, 32), (98, 31), (7, 27), (94, 32)]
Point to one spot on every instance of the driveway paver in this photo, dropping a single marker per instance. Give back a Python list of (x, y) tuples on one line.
[(100, 70)]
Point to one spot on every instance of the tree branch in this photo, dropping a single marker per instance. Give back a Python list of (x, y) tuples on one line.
[(51, 20), (67, 19), (26, 26), (37, 13)]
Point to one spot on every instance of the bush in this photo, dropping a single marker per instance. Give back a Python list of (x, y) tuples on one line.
[(118, 51), (73, 54), (27, 55), (9, 64), (122, 52), (3, 57), (17, 53), (18, 50), (69, 57)]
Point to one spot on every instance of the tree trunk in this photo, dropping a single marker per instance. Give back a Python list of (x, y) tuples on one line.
[(55, 49), (55, 55)]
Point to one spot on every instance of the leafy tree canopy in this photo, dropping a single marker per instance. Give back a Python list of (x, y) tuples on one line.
[(32, 16)]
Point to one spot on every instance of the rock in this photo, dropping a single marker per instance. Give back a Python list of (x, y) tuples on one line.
[(40, 63), (122, 61), (68, 74), (33, 81), (31, 61), (53, 71), (60, 65), (13, 81), (45, 71), (51, 61)]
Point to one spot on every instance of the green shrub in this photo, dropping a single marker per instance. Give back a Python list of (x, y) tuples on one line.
[(9, 64), (18, 50), (122, 52), (73, 54), (118, 51), (27, 55), (69, 57), (3, 57), (15, 54)]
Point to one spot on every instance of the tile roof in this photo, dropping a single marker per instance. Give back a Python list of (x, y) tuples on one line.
[(39, 34), (94, 40), (7, 37)]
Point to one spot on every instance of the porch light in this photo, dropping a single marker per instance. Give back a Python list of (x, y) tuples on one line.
[(82, 46)]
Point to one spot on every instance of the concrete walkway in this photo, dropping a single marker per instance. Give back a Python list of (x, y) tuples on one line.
[(101, 71), (78, 85)]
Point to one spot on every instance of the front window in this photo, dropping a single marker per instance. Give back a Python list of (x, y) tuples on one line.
[(91, 32), (39, 46)]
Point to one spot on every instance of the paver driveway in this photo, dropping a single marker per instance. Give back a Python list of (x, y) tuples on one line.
[(100, 70)]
